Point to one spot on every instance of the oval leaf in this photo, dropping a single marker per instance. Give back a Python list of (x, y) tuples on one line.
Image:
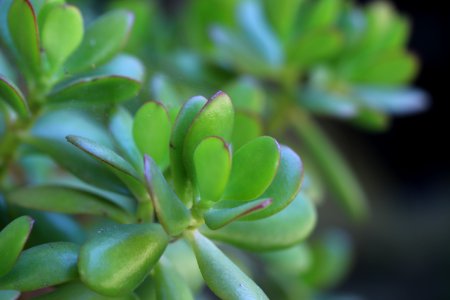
[(116, 260), (66, 200), (24, 32), (62, 32), (99, 45), (151, 132), (222, 276), (12, 240), (285, 185), (12, 95), (212, 160), (215, 119), (169, 284), (254, 167), (171, 212), (282, 230), (43, 266)]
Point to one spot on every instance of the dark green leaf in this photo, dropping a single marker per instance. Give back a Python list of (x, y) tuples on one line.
[(282, 230), (151, 132), (12, 240), (24, 32), (66, 200), (169, 284), (222, 276), (117, 259), (291, 261), (221, 215), (254, 167), (43, 266), (212, 160), (12, 95), (285, 185), (62, 32), (171, 212), (99, 45)]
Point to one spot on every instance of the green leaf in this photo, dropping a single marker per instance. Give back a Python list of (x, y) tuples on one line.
[(99, 45), (117, 259), (222, 214), (247, 95), (180, 128), (371, 120), (12, 240), (12, 95), (331, 259), (66, 200), (24, 32), (96, 90), (9, 295), (122, 65), (214, 119), (254, 167), (291, 261), (284, 229), (169, 284), (121, 128), (283, 15), (151, 132), (171, 212), (285, 186), (77, 291), (322, 14), (103, 154), (62, 32), (212, 160), (221, 275), (5, 36), (246, 128), (43, 266)]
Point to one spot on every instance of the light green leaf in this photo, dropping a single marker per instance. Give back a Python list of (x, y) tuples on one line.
[(212, 160), (247, 95), (13, 96), (66, 200), (246, 128), (12, 240), (151, 132), (215, 119), (62, 32), (222, 213), (171, 212), (96, 90), (285, 186), (222, 276), (284, 229), (122, 65), (180, 128), (24, 32), (169, 284), (43, 266), (99, 45), (254, 167), (322, 14), (117, 259), (9, 295)]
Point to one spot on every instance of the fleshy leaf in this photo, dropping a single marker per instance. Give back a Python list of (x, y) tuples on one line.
[(9, 295), (247, 95), (169, 284), (151, 132), (285, 186), (43, 266), (24, 32), (220, 215), (180, 128), (12, 240), (212, 160), (97, 90), (171, 212), (284, 229), (254, 167), (221, 275), (62, 32), (99, 45), (66, 200), (246, 128), (12, 95), (117, 259), (215, 119)]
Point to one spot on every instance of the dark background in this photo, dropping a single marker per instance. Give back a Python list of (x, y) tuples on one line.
[(403, 251)]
